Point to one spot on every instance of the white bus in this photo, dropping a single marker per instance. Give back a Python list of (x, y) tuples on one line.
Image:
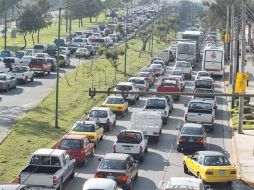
[(213, 60), (187, 51)]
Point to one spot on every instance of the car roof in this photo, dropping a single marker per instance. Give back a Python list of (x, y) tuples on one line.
[(211, 153), (113, 96), (137, 78), (192, 125), (116, 156), (99, 183), (157, 98), (125, 83), (100, 108), (47, 152), (86, 122), (74, 137)]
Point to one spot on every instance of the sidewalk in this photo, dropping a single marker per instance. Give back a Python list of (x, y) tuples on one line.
[(243, 144)]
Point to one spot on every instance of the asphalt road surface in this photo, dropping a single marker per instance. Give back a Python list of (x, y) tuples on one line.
[(162, 160), (17, 102)]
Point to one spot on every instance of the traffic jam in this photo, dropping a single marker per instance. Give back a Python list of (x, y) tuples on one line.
[(142, 141)]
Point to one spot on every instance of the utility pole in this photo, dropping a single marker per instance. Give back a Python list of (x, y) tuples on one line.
[(5, 26), (232, 37), (242, 66), (226, 39), (126, 41)]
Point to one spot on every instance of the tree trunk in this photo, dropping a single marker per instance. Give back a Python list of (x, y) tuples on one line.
[(81, 22), (38, 36), (33, 38), (24, 37), (90, 19)]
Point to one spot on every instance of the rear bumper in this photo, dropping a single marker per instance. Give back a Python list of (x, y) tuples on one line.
[(191, 146), (219, 179)]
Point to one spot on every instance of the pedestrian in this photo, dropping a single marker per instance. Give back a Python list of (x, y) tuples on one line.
[(247, 78)]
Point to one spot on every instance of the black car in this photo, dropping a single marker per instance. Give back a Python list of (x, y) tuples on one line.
[(120, 167), (203, 83), (191, 137)]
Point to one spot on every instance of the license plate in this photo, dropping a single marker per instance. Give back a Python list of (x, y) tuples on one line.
[(191, 140), (127, 148), (222, 173), (110, 177)]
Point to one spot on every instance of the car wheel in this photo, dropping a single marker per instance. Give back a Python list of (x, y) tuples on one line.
[(185, 169), (178, 149), (101, 138), (32, 79), (25, 81), (199, 177), (49, 72)]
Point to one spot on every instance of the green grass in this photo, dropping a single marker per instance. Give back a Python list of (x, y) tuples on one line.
[(48, 35), (247, 124), (36, 129)]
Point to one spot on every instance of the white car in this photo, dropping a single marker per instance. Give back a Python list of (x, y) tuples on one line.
[(103, 116), (141, 83), (185, 67), (23, 73), (201, 74), (128, 87), (65, 50), (100, 183), (26, 60)]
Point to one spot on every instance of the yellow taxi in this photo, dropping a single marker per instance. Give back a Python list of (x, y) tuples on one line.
[(117, 104), (90, 129), (210, 166)]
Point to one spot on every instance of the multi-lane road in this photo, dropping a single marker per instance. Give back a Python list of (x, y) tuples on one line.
[(162, 160)]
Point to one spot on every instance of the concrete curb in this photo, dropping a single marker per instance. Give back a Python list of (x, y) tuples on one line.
[(234, 145)]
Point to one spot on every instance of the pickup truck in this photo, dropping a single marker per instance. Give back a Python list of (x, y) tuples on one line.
[(48, 168), (160, 105), (131, 142), (200, 111), (170, 85), (148, 122), (210, 98), (40, 66), (185, 67), (23, 73)]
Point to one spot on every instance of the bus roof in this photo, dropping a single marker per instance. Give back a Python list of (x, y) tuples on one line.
[(192, 32)]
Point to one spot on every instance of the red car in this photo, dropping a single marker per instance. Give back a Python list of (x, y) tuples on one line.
[(169, 85), (40, 66), (78, 146)]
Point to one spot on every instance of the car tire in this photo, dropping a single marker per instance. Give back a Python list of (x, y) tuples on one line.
[(101, 138), (185, 169), (25, 81), (178, 149), (199, 177), (49, 72), (32, 79)]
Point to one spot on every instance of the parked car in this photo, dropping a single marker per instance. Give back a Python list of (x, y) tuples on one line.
[(128, 87), (117, 104), (120, 167), (210, 167), (40, 66), (48, 168), (103, 116), (97, 183), (90, 129), (191, 136), (7, 82), (77, 146), (23, 74), (131, 142), (186, 182), (199, 111)]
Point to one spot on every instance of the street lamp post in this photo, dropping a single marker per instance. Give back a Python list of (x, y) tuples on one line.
[(126, 42), (5, 26)]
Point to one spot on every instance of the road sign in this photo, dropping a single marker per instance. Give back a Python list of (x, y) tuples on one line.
[(241, 83)]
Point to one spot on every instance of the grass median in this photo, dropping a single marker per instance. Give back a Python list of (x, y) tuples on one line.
[(36, 129)]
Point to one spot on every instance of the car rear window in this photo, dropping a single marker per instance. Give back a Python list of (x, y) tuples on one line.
[(200, 107), (216, 161), (183, 64), (38, 47), (38, 61), (167, 82), (123, 87), (9, 61), (203, 83), (82, 127), (70, 143), (98, 113), (114, 101), (204, 92), (137, 81), (113, 164), (155, 104), (144, 74), (191, 131), (129, 137), (45, 160)]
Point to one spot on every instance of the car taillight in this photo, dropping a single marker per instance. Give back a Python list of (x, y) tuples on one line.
[(55, 180), (201, 141), (233, 172), (181, 140), (114, 147), (122, 178), (209, 173), (98, 175)]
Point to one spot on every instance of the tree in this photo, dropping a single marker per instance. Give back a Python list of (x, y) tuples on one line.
[(112, 4), (145, 36)]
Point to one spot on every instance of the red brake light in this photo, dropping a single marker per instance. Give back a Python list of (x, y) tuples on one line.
[(181, 140), (122, 178), (201, 141), (98, 175)]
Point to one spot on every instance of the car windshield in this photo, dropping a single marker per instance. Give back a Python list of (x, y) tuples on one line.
[(203, 74), (3, 77), (114, 101), (123, 87), (113, 164), (82, 127), (155, 103), (175, 72), (45, 160), (98, 113), (129, 137), (51, 61), (216, 161), (137, 81), (9, 61), (200, 107), (19, 69), (191, 131), (144, 74), (157, 62), (70, 143)]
